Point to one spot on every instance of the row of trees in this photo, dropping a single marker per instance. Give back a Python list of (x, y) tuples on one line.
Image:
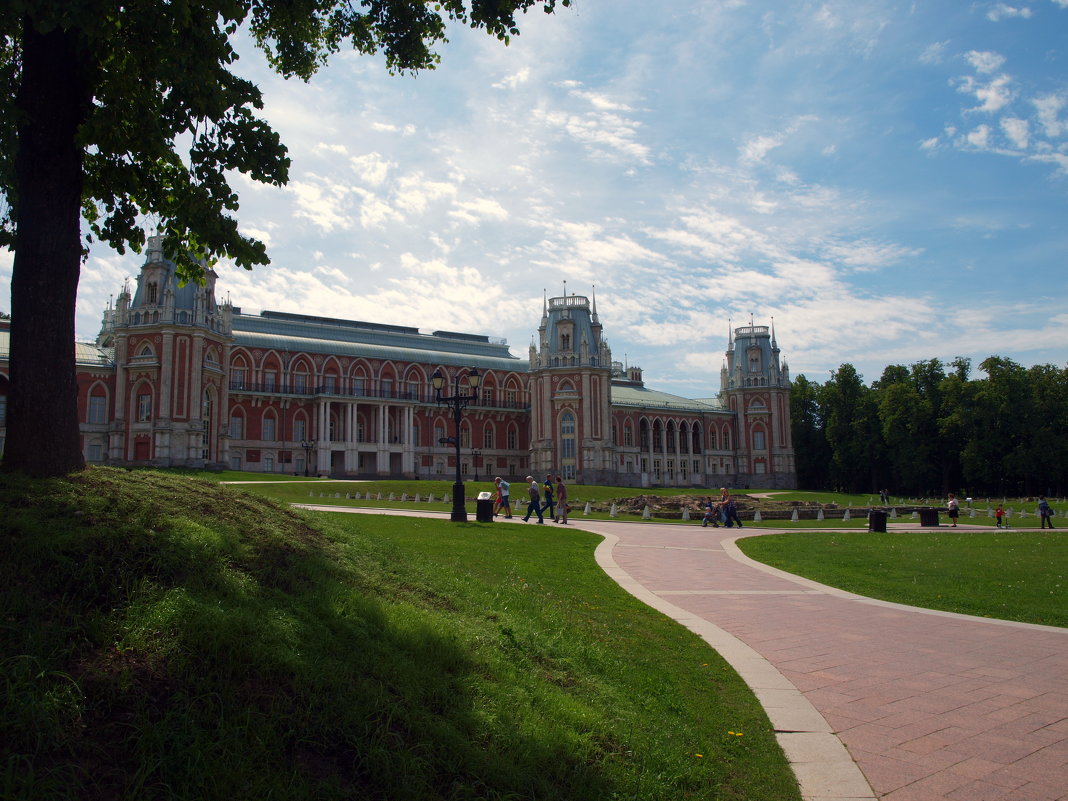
[(931, 429)]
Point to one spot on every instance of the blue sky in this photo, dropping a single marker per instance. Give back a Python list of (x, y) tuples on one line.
[(887, 180)]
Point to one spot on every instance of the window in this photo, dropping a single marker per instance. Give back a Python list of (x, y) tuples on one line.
[(268, 428), (511, 396), (144, 408), (300, 383), (300, 429), (357, 385), (3, 408), (387, 387), (487, 436), (758, 441), (237, 427), (565, 342), (94, 451), (235, 462), (413, 390), (238, 376), (696, 466), (487, 396), (567, 437), (97, 409), (268, 464), (513, 439), (465, 437), (330, 384), (153, 292), (439, 435), (270, 378), (628, 435), (656, 469), (712, 439)]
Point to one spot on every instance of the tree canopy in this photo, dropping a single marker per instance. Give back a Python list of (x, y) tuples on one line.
[(110, 111), (923, 430)]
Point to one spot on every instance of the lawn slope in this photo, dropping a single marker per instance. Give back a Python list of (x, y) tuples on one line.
[(164, 637)]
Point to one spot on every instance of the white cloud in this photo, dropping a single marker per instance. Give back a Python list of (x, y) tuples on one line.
[(478, 210), (1049, 108), (1002, 11), (755, 149), (979, 138), (984, 61), (1017, 130), (322, 201), (934, 53), (414, 192), (513, 80), (993, 96), (372, 168)]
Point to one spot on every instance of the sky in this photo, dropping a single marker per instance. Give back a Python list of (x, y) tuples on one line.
[(884, 182)]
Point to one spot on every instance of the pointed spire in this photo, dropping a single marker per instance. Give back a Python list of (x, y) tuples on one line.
[(773, 332), (595, 303), (544, 303)]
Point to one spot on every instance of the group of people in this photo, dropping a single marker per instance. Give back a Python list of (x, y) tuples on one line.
[(554, 491), (1045, 512), (723, 511)]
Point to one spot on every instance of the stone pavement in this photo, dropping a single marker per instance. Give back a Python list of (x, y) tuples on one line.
[(928, 705), (869, 699)]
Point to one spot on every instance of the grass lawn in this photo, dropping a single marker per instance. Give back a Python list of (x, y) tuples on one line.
[(1018, 575), (169, 638)]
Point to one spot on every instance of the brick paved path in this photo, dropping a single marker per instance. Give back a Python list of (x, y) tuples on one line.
[(929, 705)]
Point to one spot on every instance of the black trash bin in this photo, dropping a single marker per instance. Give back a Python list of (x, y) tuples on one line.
[(928, 517), (484, 508), (877, 520)]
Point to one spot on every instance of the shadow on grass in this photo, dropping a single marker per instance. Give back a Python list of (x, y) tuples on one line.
[(168, 639)]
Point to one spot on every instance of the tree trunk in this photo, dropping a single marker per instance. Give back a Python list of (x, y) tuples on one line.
[(53, 101)]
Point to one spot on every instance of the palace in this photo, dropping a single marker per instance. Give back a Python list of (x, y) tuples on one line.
[(177, 379)]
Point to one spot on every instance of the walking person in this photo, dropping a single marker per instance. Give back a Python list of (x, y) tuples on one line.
[(549, 504), (534, 507), (561, 500), (954, 509), (728, 509), (1045, 511), (503, 488)]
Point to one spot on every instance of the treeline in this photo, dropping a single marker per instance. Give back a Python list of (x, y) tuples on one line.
[(931, 428)]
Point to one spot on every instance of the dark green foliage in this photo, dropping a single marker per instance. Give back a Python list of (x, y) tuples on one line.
[(921, 430)]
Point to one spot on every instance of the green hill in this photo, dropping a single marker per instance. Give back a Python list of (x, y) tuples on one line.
[(165, 637)]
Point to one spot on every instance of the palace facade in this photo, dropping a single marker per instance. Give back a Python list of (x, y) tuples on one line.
[(177, 379)]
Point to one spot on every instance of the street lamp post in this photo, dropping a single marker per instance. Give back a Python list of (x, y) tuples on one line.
[(457, 402), (308, 446), (475, 455)]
